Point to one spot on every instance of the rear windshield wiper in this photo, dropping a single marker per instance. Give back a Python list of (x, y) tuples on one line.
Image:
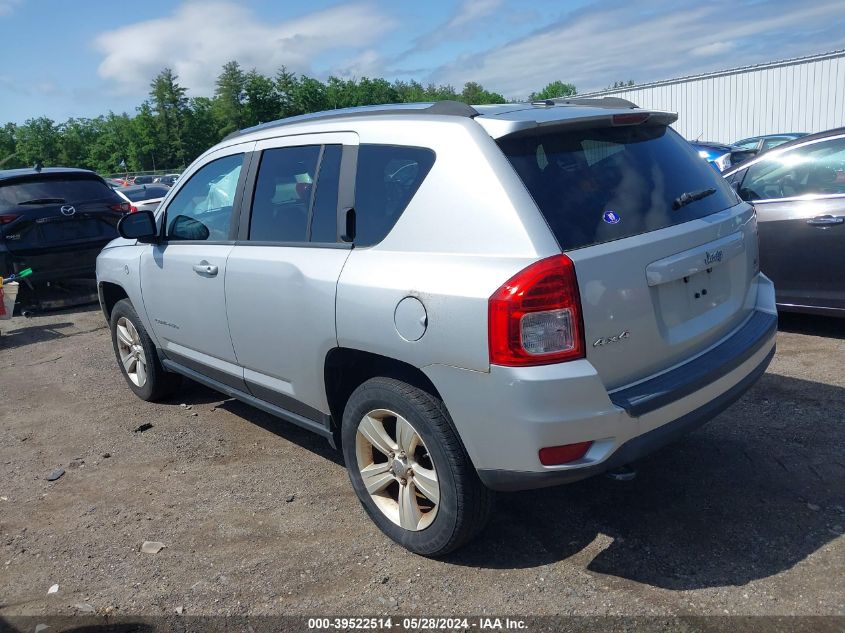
[(43, 201), (691, 196)]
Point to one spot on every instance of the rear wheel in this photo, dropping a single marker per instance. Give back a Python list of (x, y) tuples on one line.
[(137, 357), (409, 469)]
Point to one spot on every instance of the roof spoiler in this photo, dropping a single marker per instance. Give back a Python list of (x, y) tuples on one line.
[(500, 128), (595, 102)]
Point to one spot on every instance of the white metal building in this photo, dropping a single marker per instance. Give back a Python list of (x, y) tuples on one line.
[(805, 94)]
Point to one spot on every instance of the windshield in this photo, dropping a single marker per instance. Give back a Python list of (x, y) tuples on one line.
[(604, 184)]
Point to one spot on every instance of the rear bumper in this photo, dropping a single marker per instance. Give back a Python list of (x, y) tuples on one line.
[(505, 416), (633, 449), (53, 265)]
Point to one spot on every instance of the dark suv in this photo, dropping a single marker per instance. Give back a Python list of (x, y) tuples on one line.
[(55, 221)]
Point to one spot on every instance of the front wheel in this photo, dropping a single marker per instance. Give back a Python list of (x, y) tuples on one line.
[(410, 470), (137, 357)]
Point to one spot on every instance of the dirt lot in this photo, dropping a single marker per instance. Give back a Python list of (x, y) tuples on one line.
[(744, 516)]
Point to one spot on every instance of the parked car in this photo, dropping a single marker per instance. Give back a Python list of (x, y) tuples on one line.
[(719, 155), (114, 183), (798, 190), (55, 220), (757, 144), (142, 180), (464, 299), (143, 197), (167, 179)]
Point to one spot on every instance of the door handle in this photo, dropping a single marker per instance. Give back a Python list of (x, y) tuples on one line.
[(825, 220), (204, 268)]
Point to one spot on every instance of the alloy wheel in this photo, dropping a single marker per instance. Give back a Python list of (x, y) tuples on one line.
[(397, 470), (131, 352)]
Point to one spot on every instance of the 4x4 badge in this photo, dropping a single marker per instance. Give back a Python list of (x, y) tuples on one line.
[(611, 339)]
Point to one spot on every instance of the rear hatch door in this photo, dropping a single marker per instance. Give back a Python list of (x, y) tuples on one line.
[(58, 212), (664, 251)]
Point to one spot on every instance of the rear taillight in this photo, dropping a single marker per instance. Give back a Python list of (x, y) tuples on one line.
[(122, 207), (535, 317), (6, 218), (133, 209)]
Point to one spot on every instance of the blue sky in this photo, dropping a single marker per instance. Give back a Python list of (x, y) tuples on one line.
[(80, 59)]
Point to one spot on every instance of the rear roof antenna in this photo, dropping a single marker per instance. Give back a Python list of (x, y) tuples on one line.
[(38, 166)]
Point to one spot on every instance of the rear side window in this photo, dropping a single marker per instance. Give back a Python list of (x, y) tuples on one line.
[(283, 193), (604, 184), (388, 177), (54, 191)]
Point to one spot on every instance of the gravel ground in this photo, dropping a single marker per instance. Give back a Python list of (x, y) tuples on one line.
[(744, 516)]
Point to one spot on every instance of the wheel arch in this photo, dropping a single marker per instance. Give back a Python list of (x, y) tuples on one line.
[(346, 369), (110, 293)]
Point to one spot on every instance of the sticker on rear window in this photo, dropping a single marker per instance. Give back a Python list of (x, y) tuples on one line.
[(611, 217)]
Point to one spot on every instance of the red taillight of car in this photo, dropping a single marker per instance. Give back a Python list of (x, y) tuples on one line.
[(133, 209), (535, 317), (557, 455), (122, 207), (6, 218)]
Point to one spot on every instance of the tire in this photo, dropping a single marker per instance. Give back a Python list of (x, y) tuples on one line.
[(452, 507), (129, 337)]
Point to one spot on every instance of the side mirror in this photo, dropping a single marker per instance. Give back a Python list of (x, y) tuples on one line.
[(140, 226)]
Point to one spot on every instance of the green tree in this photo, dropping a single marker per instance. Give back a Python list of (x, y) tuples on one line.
[(263, 102), (8, 147), (229, 98), (287, 84), (554, 90), (309, 96), (475, 93), (201, 130), (341, 93), (38, 142), (111, 143), (409, 92), (145, 150), (375, 92), (168, 102), (75, 137)]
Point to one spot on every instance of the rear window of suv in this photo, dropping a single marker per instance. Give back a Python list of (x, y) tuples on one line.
[(603, 184), (53, 190)]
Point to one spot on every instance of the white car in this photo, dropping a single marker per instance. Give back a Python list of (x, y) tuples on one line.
[(143, 197), (462, 299)]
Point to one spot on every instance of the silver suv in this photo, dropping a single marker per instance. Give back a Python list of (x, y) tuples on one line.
[(464, 299)]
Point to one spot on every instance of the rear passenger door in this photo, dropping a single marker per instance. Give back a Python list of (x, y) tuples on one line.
[(282, 273)]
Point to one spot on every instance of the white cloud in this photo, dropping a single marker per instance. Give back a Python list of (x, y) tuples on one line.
[(7, 6), (610, 41), (472, 10), (200, 37), (716, 48), (467, 16)]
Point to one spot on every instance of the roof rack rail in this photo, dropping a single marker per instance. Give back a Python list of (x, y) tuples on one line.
[(596, 102), (446, 108)]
